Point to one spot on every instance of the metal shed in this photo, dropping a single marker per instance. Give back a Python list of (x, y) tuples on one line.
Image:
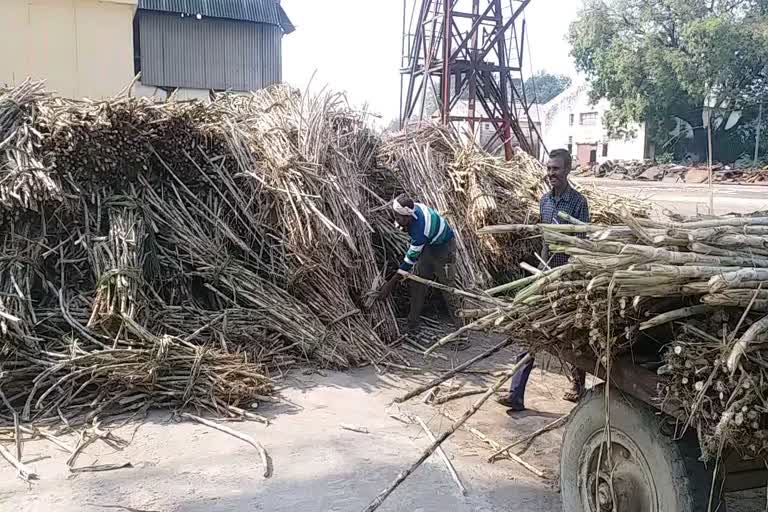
[(210, 44)]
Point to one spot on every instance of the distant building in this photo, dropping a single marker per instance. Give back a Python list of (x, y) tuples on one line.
[(94, 48), (571, 121), (197, 46), (79, 47)]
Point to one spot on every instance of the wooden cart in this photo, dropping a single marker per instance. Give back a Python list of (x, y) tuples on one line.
[(651, 471)]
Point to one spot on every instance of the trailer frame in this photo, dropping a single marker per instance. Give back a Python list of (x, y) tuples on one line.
[(643, 384)]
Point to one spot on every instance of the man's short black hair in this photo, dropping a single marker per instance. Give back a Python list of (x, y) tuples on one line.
[(565, 155), (406, 201)]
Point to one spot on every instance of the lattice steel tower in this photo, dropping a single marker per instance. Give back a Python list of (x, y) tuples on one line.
[(465, 57)]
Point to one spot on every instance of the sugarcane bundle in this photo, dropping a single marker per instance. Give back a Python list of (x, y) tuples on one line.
[(25, 183), (174, 254), (84, 379), (726, 407), (118, 263), (693, 291)]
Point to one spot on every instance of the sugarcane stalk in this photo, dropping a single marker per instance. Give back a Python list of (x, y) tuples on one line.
[(533, 435), (379, 499), (677, 314), (443, 456)]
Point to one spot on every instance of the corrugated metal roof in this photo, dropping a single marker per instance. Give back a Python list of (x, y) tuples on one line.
[(219, 54), (258, 11)]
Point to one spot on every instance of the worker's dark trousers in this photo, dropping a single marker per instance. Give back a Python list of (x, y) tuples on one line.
[(437, 262), (517, 388)]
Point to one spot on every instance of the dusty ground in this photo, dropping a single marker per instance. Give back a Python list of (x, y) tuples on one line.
[(317, 465), (687, 199)]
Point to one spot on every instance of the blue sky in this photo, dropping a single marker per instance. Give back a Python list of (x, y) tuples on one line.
[(354, 46)]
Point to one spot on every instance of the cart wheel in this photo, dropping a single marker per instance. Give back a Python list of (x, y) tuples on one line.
[(650, 471)]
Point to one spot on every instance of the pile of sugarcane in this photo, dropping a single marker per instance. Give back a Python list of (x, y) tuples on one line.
[(692, 291), (476, 189), (177, 254)]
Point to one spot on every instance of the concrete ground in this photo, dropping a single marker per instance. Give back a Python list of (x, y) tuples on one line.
[(318, 466), (688, 199)]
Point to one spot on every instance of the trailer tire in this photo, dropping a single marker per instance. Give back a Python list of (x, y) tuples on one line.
[(651, 471)]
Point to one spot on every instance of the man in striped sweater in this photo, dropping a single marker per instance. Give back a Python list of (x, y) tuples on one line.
[(432, 246)]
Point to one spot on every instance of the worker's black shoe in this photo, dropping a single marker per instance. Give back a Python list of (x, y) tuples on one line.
[(512, 405), (573, 395), (412, 329)]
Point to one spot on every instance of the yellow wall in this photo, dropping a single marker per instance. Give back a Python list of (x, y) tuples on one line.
[(82, 48)]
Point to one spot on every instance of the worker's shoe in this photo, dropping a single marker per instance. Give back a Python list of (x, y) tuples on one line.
[(574, 395), (412, 330), (511, 404)]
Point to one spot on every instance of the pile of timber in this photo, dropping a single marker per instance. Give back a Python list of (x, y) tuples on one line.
[(695, 292)]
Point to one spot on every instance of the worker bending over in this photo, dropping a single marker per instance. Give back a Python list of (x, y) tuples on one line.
[(432, 252), (561, 198)]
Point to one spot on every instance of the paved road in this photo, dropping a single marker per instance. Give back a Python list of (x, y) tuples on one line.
[(688, 199)]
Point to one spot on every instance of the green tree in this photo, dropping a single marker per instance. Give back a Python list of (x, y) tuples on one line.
[(543, 87), (654, 59)]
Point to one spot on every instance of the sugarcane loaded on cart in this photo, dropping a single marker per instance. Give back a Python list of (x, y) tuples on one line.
[(430, 255)]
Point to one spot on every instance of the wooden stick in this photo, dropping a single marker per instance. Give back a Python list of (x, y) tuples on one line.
[(120, 507), (755, 330), (472, 430), (17, 434), (21, 470), (401, 418), (50, 438), (442, 455), (576, 227), (100, 468), (265, 459), (352, 428), (444, 377), (378, 500), (458, 394), (524, 440), (740, 347), (513, 285), (493, 444), (573, 220), (676, 314), (82, 444), (449, 289), (530, 268), (477, 324)]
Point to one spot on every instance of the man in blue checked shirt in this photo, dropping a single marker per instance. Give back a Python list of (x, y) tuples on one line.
[(432, 246), (562, 198)]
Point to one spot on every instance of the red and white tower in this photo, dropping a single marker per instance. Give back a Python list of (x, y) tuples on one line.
[(466, 57)]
